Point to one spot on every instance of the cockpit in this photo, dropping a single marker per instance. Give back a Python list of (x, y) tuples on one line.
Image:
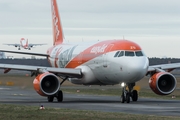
[(129, 53)]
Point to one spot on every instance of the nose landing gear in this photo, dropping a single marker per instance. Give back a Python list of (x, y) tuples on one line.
[(128, 93)]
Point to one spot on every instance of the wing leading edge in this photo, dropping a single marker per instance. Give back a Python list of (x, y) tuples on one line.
[(67, 72), (36, 44), (163, 67), (26, 53), (16, 45)]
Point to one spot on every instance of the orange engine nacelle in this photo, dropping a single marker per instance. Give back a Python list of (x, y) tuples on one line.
[(162, 83), (46, 84)]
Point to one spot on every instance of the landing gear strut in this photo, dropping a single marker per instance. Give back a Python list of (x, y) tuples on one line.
[(128, 92)]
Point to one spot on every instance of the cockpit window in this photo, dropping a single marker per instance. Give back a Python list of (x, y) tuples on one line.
[(116, 54), (121, 54), (129, 53), (139, 53)]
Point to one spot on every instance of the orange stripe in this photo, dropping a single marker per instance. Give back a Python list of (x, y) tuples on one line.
[(101, 48)]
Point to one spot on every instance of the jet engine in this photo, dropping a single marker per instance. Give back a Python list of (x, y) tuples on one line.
[(46, 84), (162, 83)]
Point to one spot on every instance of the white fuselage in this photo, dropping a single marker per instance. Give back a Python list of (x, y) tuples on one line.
[(99, 63)]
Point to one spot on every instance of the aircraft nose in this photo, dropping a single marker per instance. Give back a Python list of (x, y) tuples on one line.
[(137, 68)]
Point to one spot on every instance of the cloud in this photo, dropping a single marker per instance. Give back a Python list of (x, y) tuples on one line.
[(120, 6)]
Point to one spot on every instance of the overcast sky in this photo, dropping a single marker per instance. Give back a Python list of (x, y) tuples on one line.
[(153, 24)]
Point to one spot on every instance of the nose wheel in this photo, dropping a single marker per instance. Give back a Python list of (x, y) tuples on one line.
[(122, 98), (134, 95), (128, 93)]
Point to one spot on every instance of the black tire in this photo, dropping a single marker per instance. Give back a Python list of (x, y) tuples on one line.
[(60, 96), (128, 98), (122, 98), (134, 95), (50, 98)]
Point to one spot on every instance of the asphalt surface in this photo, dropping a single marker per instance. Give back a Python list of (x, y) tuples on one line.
[(16, 95)]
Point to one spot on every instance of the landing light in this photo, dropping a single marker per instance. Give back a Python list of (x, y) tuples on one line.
[(123, 84)]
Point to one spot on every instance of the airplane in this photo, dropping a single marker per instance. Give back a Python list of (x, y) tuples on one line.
[(24, 44), (107, 62)]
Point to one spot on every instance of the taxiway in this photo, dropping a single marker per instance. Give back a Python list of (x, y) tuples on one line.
[(16, 95)]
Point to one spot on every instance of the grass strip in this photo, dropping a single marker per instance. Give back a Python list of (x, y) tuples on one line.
[(19, 112)]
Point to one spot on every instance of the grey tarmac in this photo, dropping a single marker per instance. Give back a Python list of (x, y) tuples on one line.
[(149, 106)]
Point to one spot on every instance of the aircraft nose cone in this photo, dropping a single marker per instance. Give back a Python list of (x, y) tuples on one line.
[(137, 68)]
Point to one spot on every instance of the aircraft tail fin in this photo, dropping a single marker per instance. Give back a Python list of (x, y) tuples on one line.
[(56, 24)]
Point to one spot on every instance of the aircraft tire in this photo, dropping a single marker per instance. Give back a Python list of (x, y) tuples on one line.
[(50, 98), (134, 95), (60, 96), (128, 98), (122, 98)]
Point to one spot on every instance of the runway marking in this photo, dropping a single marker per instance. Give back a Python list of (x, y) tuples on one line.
[(4, 88), (18, 94)]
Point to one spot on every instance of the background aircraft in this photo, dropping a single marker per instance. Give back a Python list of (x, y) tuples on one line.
[(107, 62), (24, 44)]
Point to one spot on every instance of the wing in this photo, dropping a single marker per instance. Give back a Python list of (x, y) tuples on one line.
[(31, 45), (27, 53), (16, 45), (67, 72), (165, 67)]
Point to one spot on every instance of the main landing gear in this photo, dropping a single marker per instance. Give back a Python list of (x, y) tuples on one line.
[(59, 94), (128, 93)]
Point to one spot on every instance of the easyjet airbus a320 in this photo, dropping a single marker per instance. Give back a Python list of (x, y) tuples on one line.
[(24, 44), (107, 62)]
